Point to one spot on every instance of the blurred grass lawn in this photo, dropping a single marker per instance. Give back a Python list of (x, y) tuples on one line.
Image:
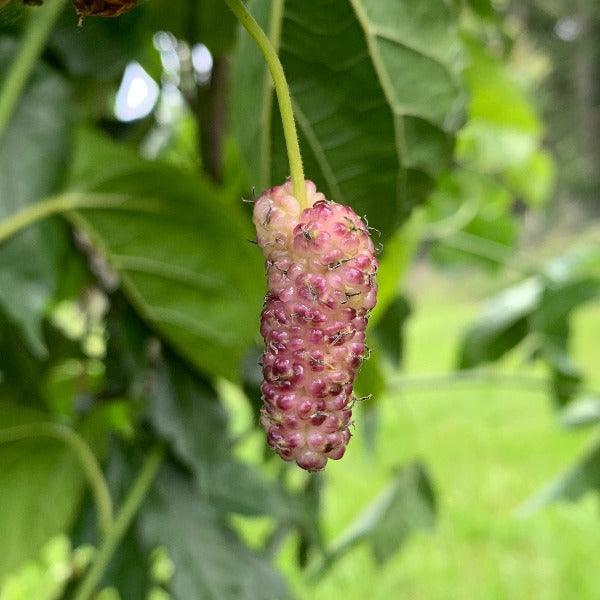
[(488, 449)]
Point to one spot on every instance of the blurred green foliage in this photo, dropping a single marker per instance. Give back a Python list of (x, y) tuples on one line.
[(124, 319)]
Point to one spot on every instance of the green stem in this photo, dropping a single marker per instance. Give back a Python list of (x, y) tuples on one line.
[(130, 508), (40, 25), (36, 212), (283, 95), (491, 250), (64, 203), (474, 377), (86, 457)]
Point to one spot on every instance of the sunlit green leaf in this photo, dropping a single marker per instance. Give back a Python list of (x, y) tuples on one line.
[(466, 202), (41, 487), (503, 130), (534, 179)]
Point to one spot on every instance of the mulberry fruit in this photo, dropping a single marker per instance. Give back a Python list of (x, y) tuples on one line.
[(321, 270)]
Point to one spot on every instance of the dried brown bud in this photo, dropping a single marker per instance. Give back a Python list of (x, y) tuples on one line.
[(103, 8)]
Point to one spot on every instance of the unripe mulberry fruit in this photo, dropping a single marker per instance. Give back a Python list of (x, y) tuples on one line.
[(321, 270)]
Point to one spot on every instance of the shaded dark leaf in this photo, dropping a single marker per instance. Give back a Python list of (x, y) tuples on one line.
[(252, 378), (33, 154), (216, 26), (582, 412), (566, 378), (405, 506), (100, 48), (502, 326), (20, 372), (559, 300), (389, 330), (577, 481), (210, 561), (310, 530), (185, 410), (412, 507), (369, 387), (177, 250), (483, 8)]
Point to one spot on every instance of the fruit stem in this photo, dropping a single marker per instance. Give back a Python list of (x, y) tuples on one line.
[(132, 503), (41, 22), (283, 96), (86, 457)]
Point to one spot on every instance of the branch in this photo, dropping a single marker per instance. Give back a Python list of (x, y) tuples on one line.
[(126, 515)]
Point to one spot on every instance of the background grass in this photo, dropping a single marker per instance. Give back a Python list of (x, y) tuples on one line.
[(488, 448)]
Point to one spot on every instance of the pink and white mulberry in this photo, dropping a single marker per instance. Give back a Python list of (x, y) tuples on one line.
[(321, 270)]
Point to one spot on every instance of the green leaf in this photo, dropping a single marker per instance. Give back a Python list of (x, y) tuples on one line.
[(33, 154), (21, 371), (503, 130), (559, 300), (101, 48), (184, 410), (44, 578), (566, 377), (389, 330), (582, 262), (566, 289), (534, 179), (210, 561), (180, 249), (398, 253), (310, 529), (407, 505), (496, 97), (369, 387), (375, 89), (216, 26), (466, 202), (41, 486), (571, 485), (582, 412), (370, 380), (482, 8), (412, 506), (502, 325)]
